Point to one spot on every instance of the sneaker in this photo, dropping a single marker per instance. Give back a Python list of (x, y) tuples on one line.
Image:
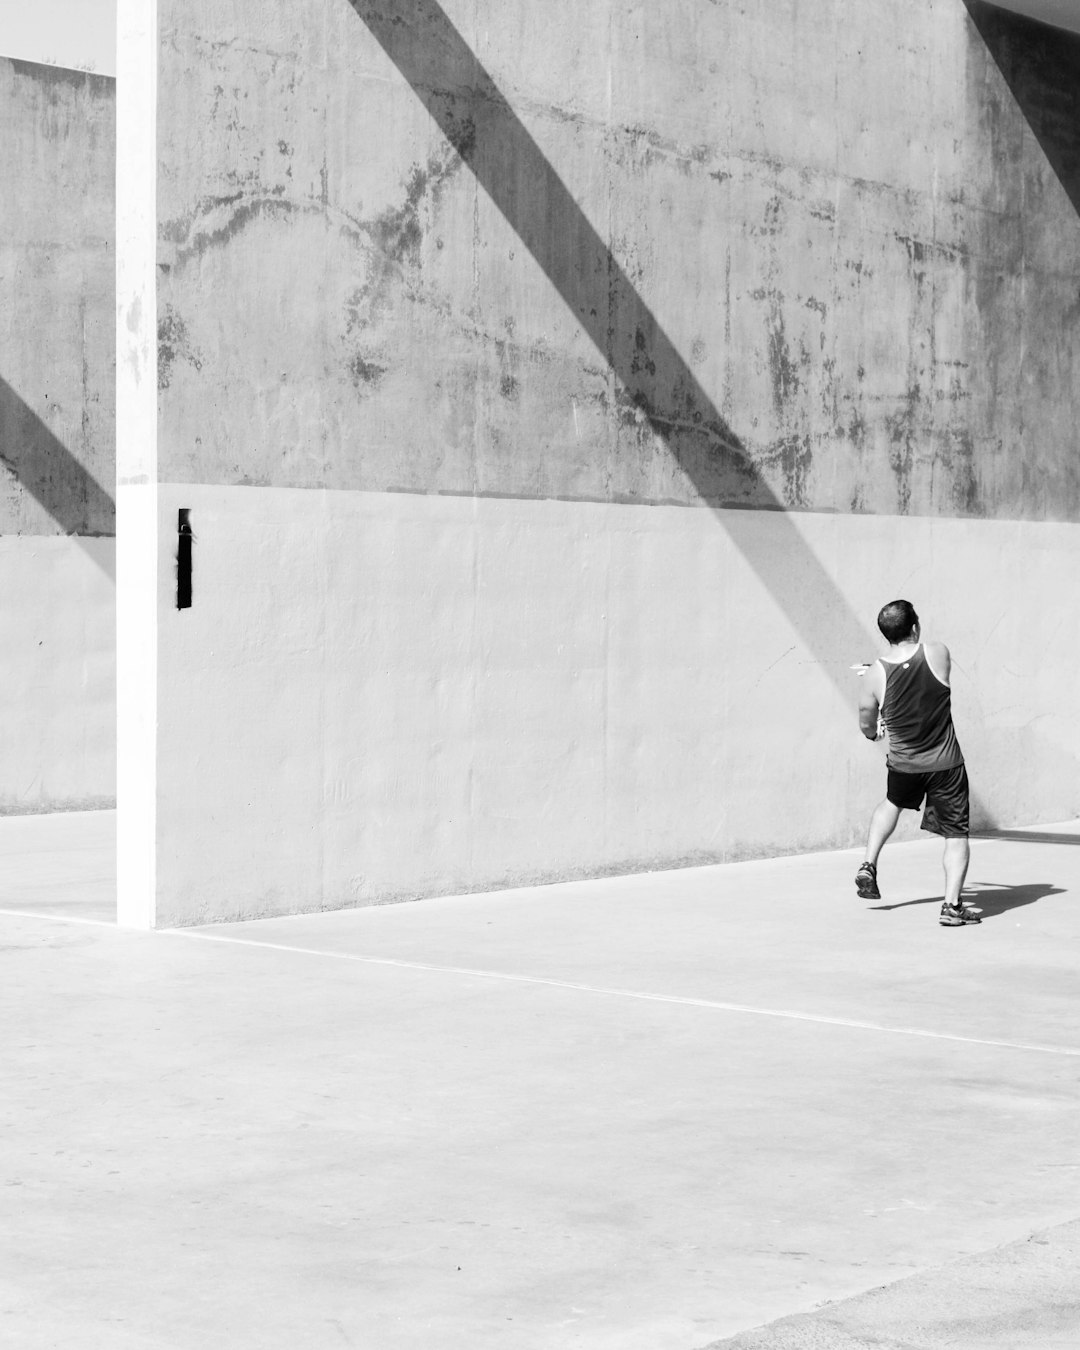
[(955, 916), (866, 882)]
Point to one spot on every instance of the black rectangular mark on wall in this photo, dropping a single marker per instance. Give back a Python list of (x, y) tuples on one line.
[(183, 559)]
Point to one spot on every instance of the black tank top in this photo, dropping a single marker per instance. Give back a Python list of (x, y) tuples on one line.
[(917, 710)]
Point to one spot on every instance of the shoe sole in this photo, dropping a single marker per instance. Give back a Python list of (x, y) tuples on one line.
[(866, 893), (961, 921)]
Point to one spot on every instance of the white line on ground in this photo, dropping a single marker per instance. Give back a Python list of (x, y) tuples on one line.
[(56, 918), (624, 993), (511, 978)]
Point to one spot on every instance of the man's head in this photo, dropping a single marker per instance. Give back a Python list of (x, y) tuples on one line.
[(898, 621)]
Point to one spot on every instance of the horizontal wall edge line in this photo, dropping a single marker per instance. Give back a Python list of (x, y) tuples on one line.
[(616, 499)]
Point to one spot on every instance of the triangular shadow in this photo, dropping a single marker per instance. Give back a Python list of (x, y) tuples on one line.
[(1041, 66)]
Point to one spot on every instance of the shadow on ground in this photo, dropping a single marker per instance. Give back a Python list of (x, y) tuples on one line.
[(1029, 836), (991, 898)]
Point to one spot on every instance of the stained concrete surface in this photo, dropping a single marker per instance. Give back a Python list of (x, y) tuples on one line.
[(57, 300), (643, 1112), (640, 265), (57, 437)]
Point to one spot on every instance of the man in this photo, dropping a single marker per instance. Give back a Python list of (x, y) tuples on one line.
[(909, 691)]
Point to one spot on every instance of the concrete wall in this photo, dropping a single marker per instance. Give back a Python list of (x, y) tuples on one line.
[(557, 394), (57, 433)]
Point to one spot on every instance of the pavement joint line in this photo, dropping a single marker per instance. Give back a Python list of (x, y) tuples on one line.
[(680, 999), (510, 978)]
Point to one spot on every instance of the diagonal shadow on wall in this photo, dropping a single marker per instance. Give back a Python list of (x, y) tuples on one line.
[(50, 473), (478, 121), (1041, 66), (654, 381)]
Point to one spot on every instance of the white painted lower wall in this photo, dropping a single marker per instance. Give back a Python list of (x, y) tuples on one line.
[(384, 696), (58, 714)]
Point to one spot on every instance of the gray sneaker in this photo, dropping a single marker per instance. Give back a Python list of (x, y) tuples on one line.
[(956, 916), (866, 882)]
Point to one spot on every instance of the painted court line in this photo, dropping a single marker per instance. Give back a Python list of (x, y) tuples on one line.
[(55, 918), (604, 990), (623, 993)]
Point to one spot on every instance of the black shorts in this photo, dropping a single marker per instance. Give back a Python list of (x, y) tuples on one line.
[(946, 793)]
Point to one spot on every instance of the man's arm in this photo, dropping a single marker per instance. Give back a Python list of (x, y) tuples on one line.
[(870, 702)]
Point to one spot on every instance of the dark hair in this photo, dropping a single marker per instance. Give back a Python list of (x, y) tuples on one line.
[(897, 620)]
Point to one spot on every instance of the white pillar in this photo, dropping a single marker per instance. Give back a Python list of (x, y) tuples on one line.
[(136, 461)]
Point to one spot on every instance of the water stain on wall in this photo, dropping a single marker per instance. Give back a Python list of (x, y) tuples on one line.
[(174, 343)]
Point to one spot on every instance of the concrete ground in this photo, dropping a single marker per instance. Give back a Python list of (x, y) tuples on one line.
[(647, 1113)]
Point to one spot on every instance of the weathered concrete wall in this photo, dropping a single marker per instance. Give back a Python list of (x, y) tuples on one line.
[(57, 421), (57, 434), (838, 216), (584, 273)]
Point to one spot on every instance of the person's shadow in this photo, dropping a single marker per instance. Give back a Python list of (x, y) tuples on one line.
[(991, 897)]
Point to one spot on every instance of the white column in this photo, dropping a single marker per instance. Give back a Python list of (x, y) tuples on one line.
[(136, 461)]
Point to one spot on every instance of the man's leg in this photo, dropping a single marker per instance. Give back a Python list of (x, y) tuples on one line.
[(882, 824), (957, 854), (947, 813)]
